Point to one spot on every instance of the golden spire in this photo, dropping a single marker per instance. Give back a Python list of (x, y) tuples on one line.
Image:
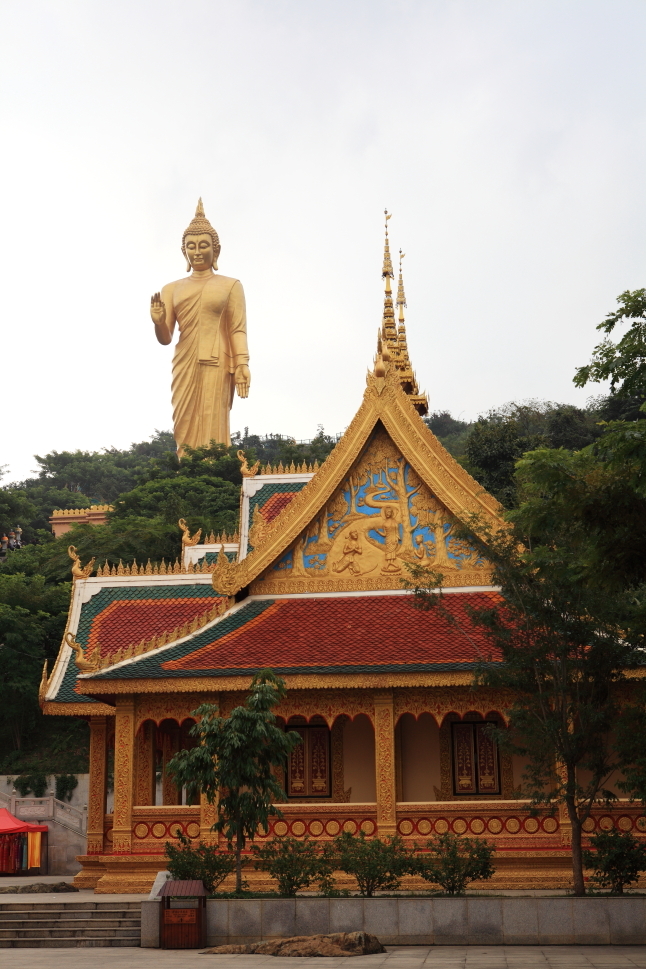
[(401, 296), (392, 345), (199, 210), (389, 332)]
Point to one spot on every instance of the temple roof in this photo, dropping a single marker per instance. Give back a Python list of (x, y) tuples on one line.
[(322, 563), (312, 635)]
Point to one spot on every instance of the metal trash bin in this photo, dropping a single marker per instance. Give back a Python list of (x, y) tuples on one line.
[(182, 925)]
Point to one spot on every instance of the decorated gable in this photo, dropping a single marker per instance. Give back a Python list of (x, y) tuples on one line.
[(381, 518)]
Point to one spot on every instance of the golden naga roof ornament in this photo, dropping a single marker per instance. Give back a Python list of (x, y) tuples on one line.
[(187, 538), (83, 664), (79, 571), (245, 470)]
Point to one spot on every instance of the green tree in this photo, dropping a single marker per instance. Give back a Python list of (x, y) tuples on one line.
[(453, 862), (32, 621), (234, 763), (293, 862), (201, 862), (617, 860), (560, 643), (622, 363), (376, 864), (499, 439)]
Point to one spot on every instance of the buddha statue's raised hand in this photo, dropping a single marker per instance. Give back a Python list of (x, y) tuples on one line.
[(157, 310)]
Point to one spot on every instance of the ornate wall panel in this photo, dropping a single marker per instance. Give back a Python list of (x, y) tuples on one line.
[(145, 750), (97, 784), (153, 826), (440, 701), (339, 794), (169, 706), (385, 761), (123, 774), (326, 703)]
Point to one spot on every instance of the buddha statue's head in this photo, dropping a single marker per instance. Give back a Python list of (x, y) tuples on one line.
[(200, 242)]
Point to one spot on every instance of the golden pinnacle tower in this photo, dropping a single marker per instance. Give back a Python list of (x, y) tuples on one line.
[(392, 345)]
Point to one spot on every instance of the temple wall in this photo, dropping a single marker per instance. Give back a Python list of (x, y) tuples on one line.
[(418, 749), (359, 759)]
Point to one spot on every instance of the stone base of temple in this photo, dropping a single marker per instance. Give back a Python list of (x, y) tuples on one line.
[(135, 874)]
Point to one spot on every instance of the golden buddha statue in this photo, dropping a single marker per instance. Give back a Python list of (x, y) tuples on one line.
[(211, 355)]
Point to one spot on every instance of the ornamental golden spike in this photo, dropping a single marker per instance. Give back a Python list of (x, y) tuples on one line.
[(401, 296)]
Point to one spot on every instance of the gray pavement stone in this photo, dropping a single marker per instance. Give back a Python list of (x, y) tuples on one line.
[(312, 916), (380, 918), (450, 920), (346, 915), (484, 920), (416, 920), (278, 917), (555, 921), (520, 922)]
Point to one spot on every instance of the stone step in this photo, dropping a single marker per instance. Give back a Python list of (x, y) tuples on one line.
[(84, 933), (70, 907), (107, 925), (44, 914), (44, 943), (70, 924)]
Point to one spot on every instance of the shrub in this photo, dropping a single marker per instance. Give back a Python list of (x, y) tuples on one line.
[(292, 862), (204, 862), (617, 860), (376, 864), (454, 862), (35, 784), (66, 784)]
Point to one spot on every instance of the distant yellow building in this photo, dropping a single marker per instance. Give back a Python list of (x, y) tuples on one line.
[(64, 518)]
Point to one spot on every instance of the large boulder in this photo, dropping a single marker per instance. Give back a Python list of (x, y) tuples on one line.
[(337, 944)]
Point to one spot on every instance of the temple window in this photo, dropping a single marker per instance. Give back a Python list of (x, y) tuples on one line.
[(476, 768), (308, 773)]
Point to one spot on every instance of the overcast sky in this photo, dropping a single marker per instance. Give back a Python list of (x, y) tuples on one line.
[(508, 137)]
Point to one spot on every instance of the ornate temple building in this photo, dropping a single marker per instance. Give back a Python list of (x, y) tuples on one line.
[(394, 736)]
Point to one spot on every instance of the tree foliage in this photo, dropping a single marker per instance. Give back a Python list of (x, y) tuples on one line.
[(453, 862), (235, 760), (200, 862), (293, 862), (377, 864), (617, 859)]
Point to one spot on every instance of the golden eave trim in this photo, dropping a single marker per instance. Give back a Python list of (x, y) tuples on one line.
[(78, 709), (330, 681)]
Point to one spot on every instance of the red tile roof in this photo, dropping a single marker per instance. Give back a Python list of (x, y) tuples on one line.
[(274, 505), (127, 621), (348, 631)]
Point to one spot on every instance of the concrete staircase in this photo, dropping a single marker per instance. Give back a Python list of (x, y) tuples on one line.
[(67, 924)]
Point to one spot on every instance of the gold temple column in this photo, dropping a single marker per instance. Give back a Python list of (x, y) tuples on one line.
[(170, 746), (97, 791), (209, 812), (124, 742), (145, 764), (385, 761)]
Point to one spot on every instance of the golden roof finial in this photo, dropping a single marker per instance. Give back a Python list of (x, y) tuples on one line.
[(401, 296), (388, 266)]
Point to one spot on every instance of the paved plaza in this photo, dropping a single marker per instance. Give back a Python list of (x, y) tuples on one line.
[(404, 957)]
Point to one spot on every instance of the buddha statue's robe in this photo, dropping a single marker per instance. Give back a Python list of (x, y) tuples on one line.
[(211, 317)]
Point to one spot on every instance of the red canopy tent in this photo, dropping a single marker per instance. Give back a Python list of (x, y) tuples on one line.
[(20, 844)]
